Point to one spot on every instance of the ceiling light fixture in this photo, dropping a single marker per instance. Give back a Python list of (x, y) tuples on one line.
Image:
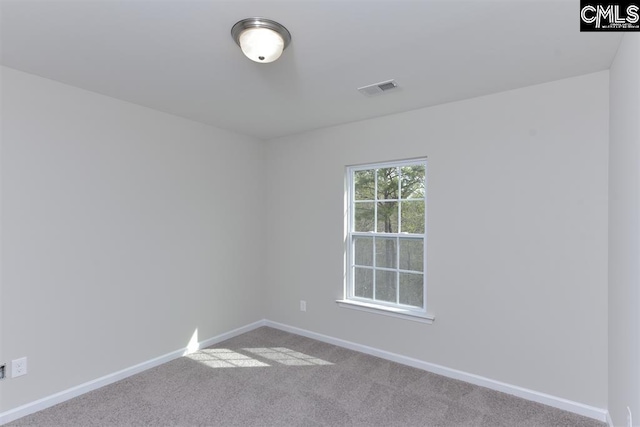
[(261, 40)]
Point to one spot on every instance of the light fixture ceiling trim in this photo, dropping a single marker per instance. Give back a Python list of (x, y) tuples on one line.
[(246, 34)]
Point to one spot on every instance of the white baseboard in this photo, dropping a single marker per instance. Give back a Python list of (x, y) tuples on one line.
[(546, 399), (609, 420), (54, 399), (556, 402)]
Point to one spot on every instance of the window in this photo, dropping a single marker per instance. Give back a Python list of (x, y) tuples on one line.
[(386, 239)]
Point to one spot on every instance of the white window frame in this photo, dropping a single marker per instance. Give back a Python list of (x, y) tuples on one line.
[(372, 305)]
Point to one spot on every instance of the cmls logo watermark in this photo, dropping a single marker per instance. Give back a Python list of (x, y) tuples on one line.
[(618, 16)]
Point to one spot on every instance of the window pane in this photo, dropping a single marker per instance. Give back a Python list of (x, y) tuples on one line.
[(363, 251), (412, 182), (412, 216), (386, 252), (363, 286), (412, 254), (387, 234), (388, 183), (364, 184), (411, 289), (386, 285), (364, 216), (387, 217)]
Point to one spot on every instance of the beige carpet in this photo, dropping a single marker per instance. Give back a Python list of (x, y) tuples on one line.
[(267, 377)]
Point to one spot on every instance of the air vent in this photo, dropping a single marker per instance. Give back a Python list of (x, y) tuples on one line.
[(378, 88)]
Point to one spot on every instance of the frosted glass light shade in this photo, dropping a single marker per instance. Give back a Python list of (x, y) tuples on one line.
[(261, 44), (261, 39)]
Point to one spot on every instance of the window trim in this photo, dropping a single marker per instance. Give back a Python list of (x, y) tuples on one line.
[(387, 311), (369, 305)]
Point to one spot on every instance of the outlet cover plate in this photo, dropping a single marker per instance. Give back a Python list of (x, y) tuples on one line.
[(18, 367)]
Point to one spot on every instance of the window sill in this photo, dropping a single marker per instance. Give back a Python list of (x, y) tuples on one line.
[(385, 311)]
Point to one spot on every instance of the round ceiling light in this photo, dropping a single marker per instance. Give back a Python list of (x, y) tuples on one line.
[(261, 40)]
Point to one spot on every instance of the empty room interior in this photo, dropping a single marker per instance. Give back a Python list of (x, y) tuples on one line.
[(445, 192)]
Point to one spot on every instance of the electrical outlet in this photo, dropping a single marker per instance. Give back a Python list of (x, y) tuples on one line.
[(303, 305), (2, 371), (18, 367), (629, 418)]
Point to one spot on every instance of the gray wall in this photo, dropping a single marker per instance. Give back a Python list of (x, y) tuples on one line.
[(517, 234), (123, 231), (624, 233)]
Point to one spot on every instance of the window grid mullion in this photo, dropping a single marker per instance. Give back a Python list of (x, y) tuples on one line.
[(397, 274), (352, 243), (373, 262), (400, 235), (375, 200), (400, 270), (397, 271), (399, 199), (424, 242), (375, 229)]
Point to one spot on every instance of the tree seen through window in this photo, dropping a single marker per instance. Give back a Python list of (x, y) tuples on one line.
[(387, 233)]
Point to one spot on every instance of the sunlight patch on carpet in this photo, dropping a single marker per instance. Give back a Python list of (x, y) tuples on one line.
[(224, 358), (286, 356)]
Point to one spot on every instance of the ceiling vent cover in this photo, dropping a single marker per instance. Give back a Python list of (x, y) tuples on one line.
[(378, 88)]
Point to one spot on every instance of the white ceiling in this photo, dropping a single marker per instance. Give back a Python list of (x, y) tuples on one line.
[(178, 56)]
